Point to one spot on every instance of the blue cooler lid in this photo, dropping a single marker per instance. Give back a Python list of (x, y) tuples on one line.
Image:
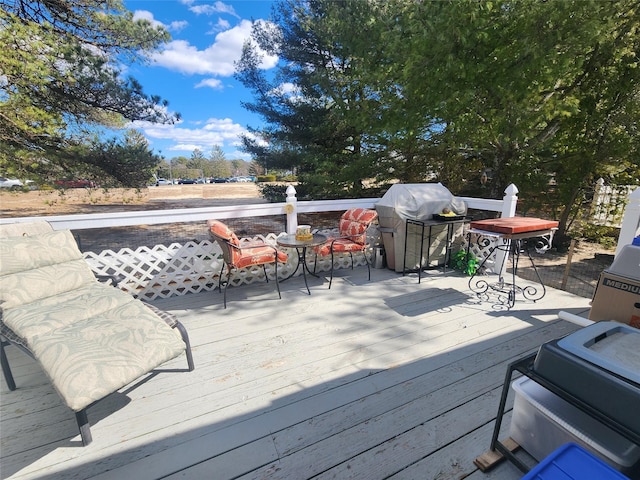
[(572, 462)]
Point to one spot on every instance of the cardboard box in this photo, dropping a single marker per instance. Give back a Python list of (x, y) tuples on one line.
[(616, 298)]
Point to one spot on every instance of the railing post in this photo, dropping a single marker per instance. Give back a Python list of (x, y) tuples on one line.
[(630, 221), (292, 211), (509, 203), (597, 202)]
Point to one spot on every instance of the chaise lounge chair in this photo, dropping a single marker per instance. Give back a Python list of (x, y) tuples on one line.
[(90, 338)]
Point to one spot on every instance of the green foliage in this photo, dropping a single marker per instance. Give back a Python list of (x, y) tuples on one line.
[(125, 162), (219, 166), (266, 178), (602, 234), (63, 65), (539, 94), (288, 178), (465, 262), (273, 193)]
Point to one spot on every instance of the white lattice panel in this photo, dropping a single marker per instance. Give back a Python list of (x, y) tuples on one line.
[(479, 246), (166, 271), (161, 271)]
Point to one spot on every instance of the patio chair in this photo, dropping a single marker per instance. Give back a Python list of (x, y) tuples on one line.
[(90, 338), (237, 255), (352, 237)]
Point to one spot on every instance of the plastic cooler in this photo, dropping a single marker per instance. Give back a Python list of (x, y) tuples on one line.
[(571, 462), (600, 365), (542, 422)]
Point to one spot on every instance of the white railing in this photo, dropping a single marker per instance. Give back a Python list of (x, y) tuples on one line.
[(630, 227), (609, 203), (163, 271)]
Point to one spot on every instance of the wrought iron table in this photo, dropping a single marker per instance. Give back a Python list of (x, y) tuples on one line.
[(290, 241), (512, 236)]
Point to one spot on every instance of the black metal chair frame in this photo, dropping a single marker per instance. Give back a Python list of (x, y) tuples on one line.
[(227, 248)]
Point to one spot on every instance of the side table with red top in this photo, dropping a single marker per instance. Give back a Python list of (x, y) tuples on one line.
[(513, 236)]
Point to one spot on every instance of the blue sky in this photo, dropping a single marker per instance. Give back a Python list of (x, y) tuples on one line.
[(194, 72)]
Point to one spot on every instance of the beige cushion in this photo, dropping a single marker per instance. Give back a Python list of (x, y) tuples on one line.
[(90, 359), (24, 229), (40, 266), (91, 339)]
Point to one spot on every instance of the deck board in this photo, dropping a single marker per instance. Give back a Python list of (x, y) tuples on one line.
[(381, 379)]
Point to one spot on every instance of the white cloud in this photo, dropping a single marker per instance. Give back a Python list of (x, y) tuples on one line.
[(216, 59), (219, 27), (184, 148), (147, 15), (239, 154), (211, 83), (174, 26), (215, 131), (218, 7), (177, 25)]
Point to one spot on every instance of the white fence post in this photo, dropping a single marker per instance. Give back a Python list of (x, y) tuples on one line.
[(509, 204), (291, 209), (596, 204), (510, 201), (630, 220)]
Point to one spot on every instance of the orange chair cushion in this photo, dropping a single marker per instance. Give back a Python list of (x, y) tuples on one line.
[(219, 229), (257, 256), (252, 253), (353, 224), (341, 245)]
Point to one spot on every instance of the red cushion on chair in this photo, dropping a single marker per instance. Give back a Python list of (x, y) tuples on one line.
[(219, 229), (246, 254), (257, 256), (353, 224), (341, 245)]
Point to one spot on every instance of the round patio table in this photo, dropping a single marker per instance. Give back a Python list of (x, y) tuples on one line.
[(290, 241)]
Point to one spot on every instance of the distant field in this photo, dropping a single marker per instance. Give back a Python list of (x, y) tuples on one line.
[(96, 200)]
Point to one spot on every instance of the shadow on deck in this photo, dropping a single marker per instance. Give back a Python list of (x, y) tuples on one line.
[(381, 379)]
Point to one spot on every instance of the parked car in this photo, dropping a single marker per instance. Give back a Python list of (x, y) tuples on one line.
[(10, 183), (187, 181), (219, 180), (75, 183), (162, 181)]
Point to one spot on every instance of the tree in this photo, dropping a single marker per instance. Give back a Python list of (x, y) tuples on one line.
[(527, 92), (118, 162), (179, 166), (219, 165), (534, 91), (315, 127), (62, 67), (199, 163)]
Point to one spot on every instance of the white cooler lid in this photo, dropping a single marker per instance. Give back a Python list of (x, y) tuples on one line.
[(612, 346), (627, 262)]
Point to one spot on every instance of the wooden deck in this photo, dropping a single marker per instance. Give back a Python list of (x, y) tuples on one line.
[(372, 380)]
